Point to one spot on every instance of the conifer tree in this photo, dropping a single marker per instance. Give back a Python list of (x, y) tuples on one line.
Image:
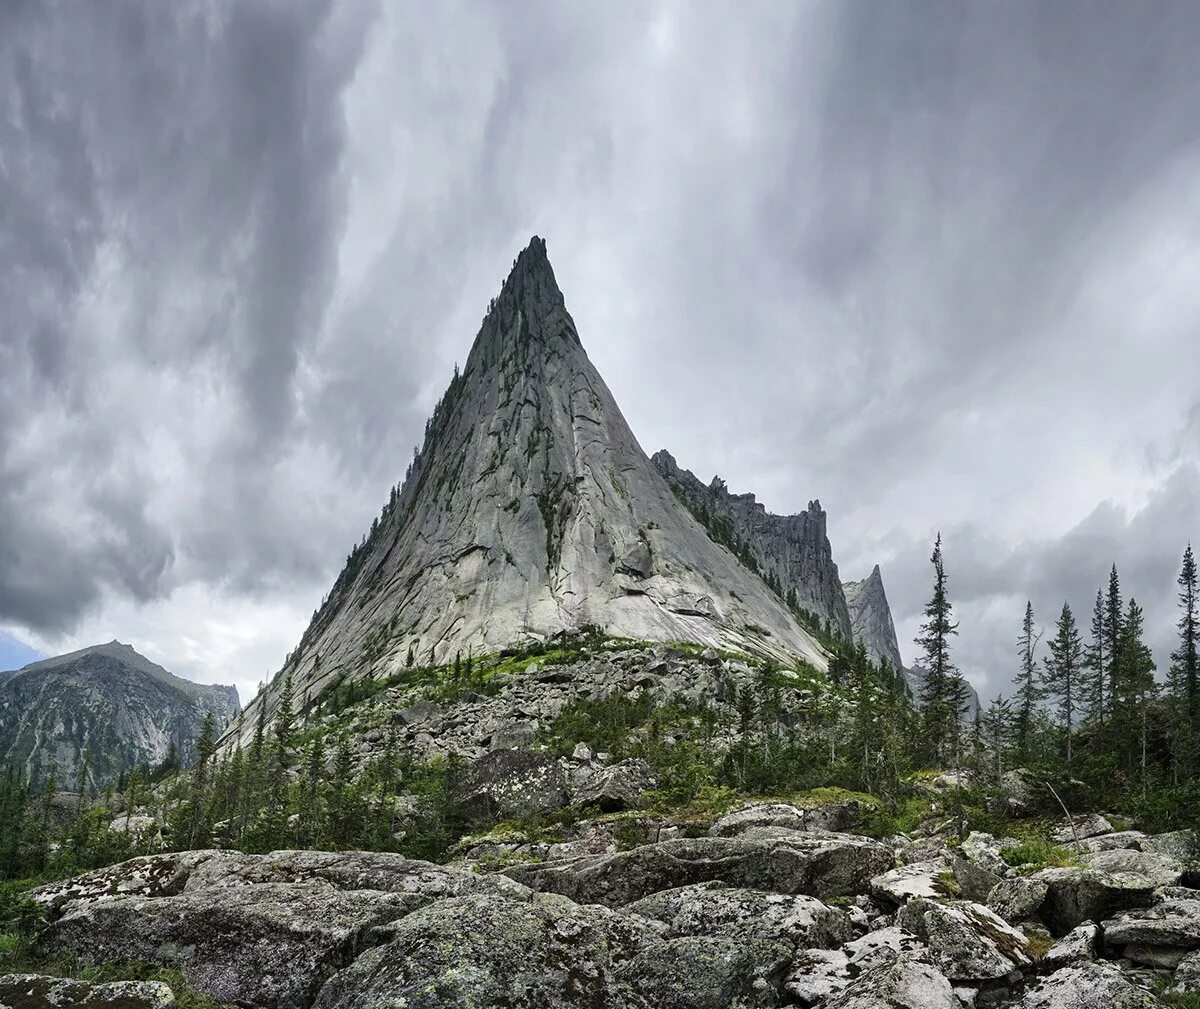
[(1063, 670), (1185, 660), (281, 760), (1134, 688), (940, 694), (205, 747), (1114, 621), (314, 772), (1028, 691), (997, 727), (1096, 660)]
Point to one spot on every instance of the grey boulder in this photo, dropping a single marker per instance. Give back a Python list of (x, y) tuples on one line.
[(905, 983), (39, 991), (1087, 986), (488, 952), (968, 941), (820, 865), (712, 909)]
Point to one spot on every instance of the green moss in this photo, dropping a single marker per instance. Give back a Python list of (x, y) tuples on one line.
[(815, 798), (1034, 853)]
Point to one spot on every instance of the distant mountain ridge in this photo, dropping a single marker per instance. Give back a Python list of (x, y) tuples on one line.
[(107, 700)]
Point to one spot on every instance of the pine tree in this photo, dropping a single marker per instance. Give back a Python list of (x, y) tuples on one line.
[(1114, 622), (314, 771), (1096, 660), (1063, 670), (1185, 660), (997, 727), (1028, 691), (938, 694), (281, 760), (1134, 688), (205, 747)]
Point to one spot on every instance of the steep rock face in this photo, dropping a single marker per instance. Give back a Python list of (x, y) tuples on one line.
[(531, 509), (791, 552), (871, 618), (108, 700)]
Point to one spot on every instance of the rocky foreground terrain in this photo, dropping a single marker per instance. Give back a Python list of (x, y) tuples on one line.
[(765, 906)]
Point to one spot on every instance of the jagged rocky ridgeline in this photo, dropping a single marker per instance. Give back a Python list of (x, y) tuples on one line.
[(109, 702), (531, 509), (758, 908)]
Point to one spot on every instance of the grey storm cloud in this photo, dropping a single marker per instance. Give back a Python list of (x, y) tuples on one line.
[(931, 263)]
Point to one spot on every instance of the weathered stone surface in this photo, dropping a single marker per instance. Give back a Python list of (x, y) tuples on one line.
[(968, 941), (487, 952), (905, 983), (871, 618), (820, 865), (1173, 923), (1142, 868), (816, 974), (1019, 898), (882, 946), (507, 784), (835, 816), (977, 866), (39, 991), (259, 930), (709, 972), (1077, 895), (1077, 945), (615, 787), (1082, 827), (918, 879), (793, 550), (1187, 974), (1178, 844), (713, 909), (1087, 986)]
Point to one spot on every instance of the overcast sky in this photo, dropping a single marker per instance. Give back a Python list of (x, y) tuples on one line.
[(933, 264)]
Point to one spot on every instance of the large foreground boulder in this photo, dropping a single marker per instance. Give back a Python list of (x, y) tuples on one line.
[(709, 972), (1088, 986), (905, 983), (969, 942), (713, 909), (1076, 895), (488, 952), (259, 930), (818, 864)]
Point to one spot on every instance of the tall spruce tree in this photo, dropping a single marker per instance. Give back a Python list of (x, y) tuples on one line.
[(940, 694), (1185, 660), (205, 747), (1063, 670), (1095, 696), (1028, 689), (1114, 622), (1134, 690)]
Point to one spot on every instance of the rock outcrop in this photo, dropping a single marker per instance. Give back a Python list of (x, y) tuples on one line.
[(871, 618), (531, 510), (109, 701), (791, 552)]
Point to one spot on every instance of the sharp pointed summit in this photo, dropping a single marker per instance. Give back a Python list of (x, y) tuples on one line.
[(531, 509)]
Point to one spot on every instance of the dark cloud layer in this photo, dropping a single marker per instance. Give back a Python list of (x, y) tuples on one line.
[(931, 263)]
